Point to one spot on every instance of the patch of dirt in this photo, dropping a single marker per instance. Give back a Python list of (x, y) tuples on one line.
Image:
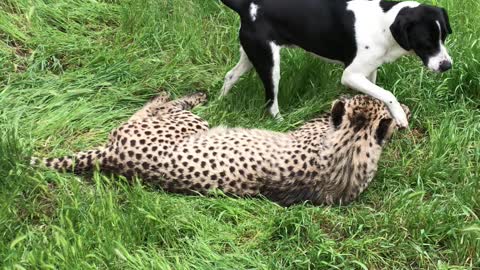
[(418, 133)]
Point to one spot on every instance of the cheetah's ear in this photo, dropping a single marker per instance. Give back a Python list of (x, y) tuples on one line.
[(338, 111), (383, 130)]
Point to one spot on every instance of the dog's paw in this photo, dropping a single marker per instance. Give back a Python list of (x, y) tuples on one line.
[(225, 89), (400, 117), (278, 117), (399, 113)]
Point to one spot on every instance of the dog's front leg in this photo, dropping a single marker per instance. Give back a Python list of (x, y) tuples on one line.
[(373, 77), (359, 82)]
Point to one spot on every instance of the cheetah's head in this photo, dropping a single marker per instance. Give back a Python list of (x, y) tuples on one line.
[(365, 114)]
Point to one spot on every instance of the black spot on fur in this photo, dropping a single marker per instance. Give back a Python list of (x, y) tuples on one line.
[(197, 186), (358, 122)]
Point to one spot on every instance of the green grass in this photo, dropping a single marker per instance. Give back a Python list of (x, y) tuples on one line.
[(71, 70)]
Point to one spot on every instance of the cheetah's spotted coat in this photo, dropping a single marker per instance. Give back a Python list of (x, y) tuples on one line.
[(328, 160)]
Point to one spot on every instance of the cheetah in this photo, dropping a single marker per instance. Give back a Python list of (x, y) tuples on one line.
[(328, 160)]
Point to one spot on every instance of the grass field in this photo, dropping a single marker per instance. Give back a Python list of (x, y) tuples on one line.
[(71, 70)]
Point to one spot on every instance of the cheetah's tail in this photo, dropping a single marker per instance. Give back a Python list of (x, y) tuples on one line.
[(80, 162)]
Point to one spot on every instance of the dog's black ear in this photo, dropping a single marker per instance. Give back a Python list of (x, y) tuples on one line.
[(400, 27), (447, 21), (338, 111), (382, 130)]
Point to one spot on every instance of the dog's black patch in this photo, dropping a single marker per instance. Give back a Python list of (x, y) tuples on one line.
[(387, 5), (400, 27), (447, 21), (236, 5)]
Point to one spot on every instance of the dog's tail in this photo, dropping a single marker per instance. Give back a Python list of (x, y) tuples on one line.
[(237, 5), (80, 162)]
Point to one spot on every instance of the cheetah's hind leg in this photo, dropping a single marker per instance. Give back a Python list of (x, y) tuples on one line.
[(151, 108), (184, 103)]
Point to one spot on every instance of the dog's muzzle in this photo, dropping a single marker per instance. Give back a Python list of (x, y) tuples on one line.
[(445, 66)]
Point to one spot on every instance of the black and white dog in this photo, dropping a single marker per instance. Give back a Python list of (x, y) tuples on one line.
[(361, 34)]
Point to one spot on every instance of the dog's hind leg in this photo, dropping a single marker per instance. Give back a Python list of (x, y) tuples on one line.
[(274, 110), (243, 66), (265, 57)]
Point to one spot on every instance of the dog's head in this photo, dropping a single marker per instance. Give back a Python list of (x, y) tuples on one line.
[(424, 29)]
